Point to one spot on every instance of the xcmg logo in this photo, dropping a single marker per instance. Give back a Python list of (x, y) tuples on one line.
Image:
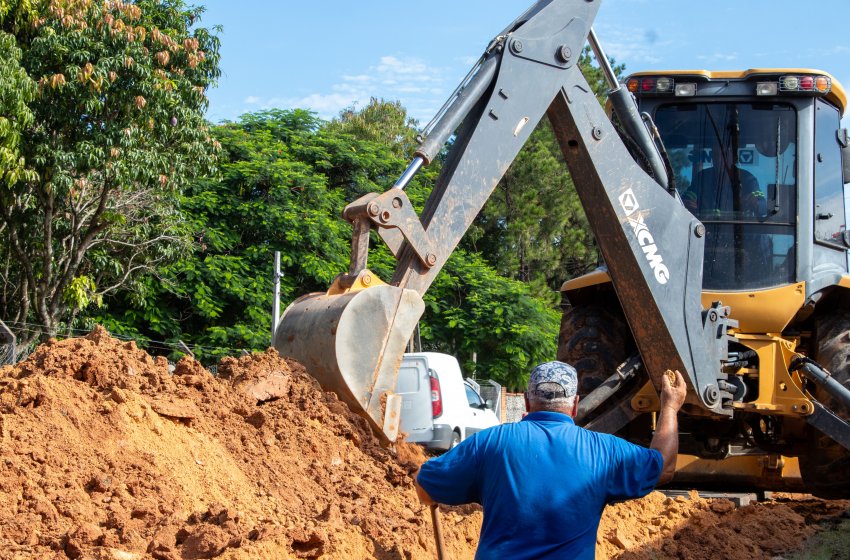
[(630, 206)]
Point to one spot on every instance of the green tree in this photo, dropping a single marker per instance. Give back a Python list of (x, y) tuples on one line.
[(381, 121), (17, 90), (112, 131), (285, 177)]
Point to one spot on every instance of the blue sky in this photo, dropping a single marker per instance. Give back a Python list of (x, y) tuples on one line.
[(326, 55)]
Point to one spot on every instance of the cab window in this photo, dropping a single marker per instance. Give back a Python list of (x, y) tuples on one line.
[(829, 188), (735, 167)]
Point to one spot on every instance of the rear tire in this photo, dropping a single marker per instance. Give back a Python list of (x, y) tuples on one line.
[(595, 340), (825, 465)]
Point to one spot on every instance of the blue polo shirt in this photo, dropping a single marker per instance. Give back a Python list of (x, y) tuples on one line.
[(543, 483)]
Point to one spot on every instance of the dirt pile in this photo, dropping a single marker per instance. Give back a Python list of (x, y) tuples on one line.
[(692, 528), (107, 455)]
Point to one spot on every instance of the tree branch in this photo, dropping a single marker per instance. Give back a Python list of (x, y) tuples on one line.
[(18, 249), (48, 198), (77, 254)]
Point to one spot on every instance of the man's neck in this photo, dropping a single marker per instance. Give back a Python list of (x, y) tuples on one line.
[(559, 410)]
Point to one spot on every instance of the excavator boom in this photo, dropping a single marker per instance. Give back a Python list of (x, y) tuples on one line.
[(354, 336)]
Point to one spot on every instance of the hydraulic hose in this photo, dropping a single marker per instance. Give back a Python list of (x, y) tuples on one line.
[(812, 370), (608, 388)]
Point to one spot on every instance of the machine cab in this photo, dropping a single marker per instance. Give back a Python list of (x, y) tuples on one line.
[(756, 156)]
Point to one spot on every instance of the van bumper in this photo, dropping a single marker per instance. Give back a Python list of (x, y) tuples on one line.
[(442, 439)]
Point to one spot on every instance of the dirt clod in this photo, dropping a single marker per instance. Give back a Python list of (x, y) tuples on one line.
[(722, 505)]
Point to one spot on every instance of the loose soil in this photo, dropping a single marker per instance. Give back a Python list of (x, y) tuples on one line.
[(108, 455)]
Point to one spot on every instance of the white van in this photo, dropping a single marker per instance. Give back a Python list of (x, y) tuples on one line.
[(439, 408)]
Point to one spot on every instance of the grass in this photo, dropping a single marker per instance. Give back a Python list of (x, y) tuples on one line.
[(833, 543)]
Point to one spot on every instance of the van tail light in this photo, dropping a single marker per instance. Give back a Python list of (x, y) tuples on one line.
[(436, 396)]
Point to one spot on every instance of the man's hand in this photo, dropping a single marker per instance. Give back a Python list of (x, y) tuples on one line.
[(673, 393), (666, 438)]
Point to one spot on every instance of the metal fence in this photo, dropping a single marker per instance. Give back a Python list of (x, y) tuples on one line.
[(7, 354), (11, 353), (514, 407)]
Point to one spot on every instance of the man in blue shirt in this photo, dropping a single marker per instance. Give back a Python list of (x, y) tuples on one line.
[(543, 481)]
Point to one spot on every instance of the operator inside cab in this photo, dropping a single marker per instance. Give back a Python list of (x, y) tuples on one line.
[(724, 187), (734, 165)]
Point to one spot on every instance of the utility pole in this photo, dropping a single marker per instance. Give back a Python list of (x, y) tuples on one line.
[(276, 302), (185, 349)]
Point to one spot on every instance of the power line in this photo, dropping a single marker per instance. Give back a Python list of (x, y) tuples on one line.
[(35, 328)]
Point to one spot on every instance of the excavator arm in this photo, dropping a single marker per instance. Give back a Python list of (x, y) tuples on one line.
[(353, 337)]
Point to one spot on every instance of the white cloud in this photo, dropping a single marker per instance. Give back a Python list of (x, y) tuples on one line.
[(409, 80), (323, 104)]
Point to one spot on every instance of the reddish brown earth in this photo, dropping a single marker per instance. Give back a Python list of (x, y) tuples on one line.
[(107, 455), (696, 529)]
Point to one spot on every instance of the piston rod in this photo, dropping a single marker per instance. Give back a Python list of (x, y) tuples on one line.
[(812, 370)]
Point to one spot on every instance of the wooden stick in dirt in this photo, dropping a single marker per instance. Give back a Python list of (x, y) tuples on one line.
[(438, 531)]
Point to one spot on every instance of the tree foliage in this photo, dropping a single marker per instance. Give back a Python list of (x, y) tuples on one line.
[(102, 123), (381, 121), (285, 177), (17, 90)]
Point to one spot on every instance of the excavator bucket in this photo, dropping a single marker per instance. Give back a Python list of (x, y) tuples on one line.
[(352, 342)]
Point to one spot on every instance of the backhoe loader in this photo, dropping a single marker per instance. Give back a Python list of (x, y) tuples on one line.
[(716, 201), (756, 156)]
